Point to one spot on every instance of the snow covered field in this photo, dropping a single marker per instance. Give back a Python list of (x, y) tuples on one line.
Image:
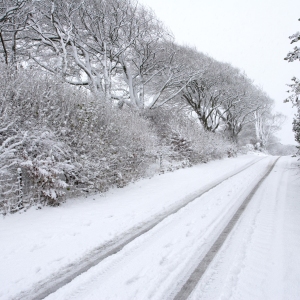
[(260, 259)]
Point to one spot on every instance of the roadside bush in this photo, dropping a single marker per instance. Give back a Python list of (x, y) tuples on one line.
[(183, 139), (55, 139), (111, 148)]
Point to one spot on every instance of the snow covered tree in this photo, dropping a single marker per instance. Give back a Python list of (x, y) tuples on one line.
[(222, 97), (267, 125), (295, 85), (242, 110), (296, 126), (117, 49), (93, 93), (292, 56), (207, 92), (14, 17)]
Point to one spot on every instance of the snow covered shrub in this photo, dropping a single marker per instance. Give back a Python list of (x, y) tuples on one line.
[(10, 185), (113, 147), (54, 138), (45, 160), (57, 140), (33, 159), (172, 128), (35, 173), (214, 146), (185, 140), (10, 141)]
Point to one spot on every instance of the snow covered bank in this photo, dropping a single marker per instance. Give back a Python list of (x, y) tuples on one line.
[(41, 242)]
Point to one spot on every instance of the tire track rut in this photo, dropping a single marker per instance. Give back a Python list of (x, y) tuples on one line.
[(58, 280), (188, 287)]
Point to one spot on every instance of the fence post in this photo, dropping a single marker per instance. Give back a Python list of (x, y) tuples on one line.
[(20, 189), (160, 157)]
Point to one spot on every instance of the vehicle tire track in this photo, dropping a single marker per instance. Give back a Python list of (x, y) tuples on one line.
[(196, 275), (66, 275)]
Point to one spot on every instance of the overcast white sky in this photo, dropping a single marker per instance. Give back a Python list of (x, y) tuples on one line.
[(251, 35)]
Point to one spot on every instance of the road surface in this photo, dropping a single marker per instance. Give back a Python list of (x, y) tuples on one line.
[(252, 213)]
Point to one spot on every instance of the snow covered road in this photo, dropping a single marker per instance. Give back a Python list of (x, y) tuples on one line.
[(156, 264), (261, 257)]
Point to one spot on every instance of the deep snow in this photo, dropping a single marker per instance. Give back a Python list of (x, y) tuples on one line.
[(39, 243)]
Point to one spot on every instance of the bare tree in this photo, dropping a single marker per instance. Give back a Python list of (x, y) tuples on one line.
[(181, 65), (81, 40), (116, 48), (14, 17), (212, 94), (240, 108), (267, 124)]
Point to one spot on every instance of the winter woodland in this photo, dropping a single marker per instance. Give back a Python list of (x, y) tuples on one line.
[(97, 93)]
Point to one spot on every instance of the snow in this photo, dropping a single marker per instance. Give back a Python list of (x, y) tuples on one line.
[(260, 259), (39, 243)]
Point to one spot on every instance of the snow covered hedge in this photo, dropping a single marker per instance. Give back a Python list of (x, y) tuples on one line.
[(182, 139), (57, 141)]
